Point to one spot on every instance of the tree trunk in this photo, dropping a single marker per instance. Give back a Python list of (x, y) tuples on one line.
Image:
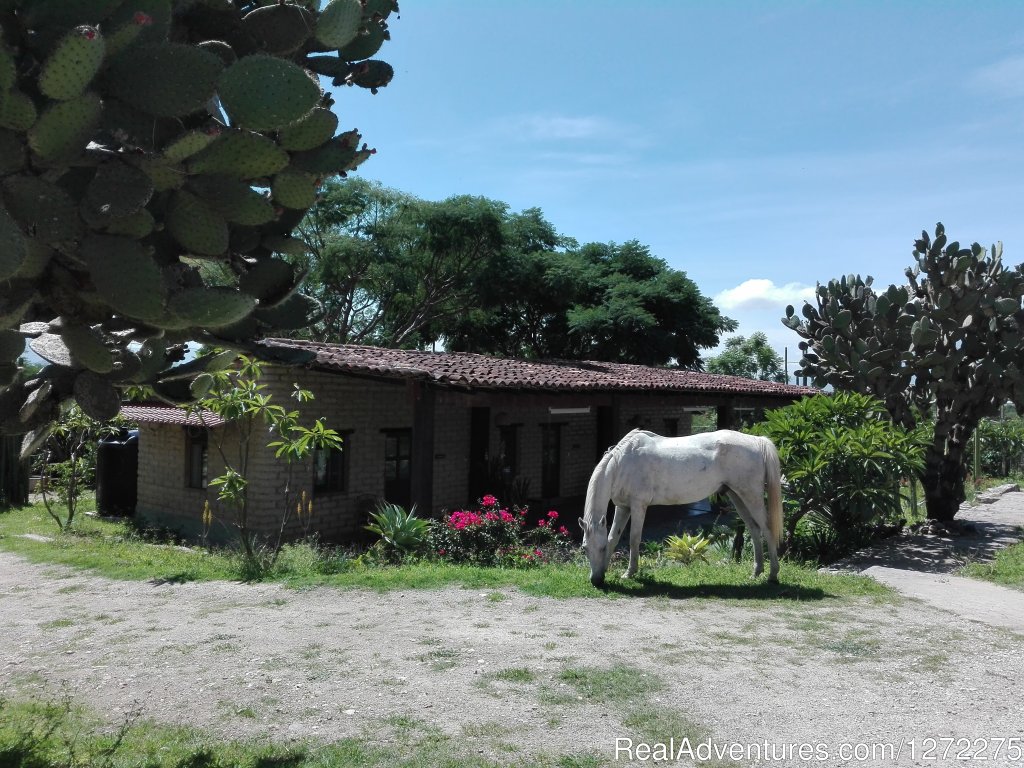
[(943, 482), (13, 472)]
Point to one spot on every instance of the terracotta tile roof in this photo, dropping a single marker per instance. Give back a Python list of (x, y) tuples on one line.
[(472, 371), (168, 414)]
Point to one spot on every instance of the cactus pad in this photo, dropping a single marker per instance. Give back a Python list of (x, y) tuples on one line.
[(63, 130), (17, 111), (264, 93), (309, 133), (189, 144), (73, 63), (290, 246), (294, 189), (119, 189), (164, 175), (372, 74), (12, 152), (210, 307), (164, 79), (334, 156), (12, 346), (235, 200), (43, 208), (269, 281), (241, 154), (366, 43), (279, 29), (52, 349), (196, 225), (125, 275), (339, 23), (87, 347), (96, 397), (298, 311), (136, 225), (12, 246)]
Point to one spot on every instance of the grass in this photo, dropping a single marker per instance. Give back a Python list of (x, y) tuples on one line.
[(1007, 568), (115, 549), (38, 734)]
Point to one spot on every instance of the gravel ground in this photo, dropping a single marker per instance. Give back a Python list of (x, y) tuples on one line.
[(263, 660)]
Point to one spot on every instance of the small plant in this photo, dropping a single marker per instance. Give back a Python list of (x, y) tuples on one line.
[(401, 532), (687, 548)]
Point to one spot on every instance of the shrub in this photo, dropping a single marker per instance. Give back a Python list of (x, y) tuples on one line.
[(493, 535), (844, 463), (687, 548), (1002, 446)]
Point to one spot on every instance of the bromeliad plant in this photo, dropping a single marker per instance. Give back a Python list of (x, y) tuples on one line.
[(687, 548), (494, 535)]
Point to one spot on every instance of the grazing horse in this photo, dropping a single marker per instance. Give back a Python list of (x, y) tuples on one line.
[(645, 468)]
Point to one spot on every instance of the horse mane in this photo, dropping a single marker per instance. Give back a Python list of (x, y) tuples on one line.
[(599, 489)]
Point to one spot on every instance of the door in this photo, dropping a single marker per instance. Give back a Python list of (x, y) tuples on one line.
[(479, 454), (398, 466)]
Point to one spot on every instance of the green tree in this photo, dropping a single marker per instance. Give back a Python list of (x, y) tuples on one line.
[(751, 358), (390, 268), (947, 345), (134, 141), (596, 301)]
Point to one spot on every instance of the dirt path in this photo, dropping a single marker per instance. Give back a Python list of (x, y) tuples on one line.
[(259, 660)]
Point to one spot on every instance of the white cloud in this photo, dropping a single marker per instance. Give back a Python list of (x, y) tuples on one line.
[(760, 293), (561, 127), (1004, 78)]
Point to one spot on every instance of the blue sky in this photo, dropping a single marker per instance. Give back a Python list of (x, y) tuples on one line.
[(761, 147)]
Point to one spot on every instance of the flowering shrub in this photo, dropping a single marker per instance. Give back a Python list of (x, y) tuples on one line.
[(494, 535)]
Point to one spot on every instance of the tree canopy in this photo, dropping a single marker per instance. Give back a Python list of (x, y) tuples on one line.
[(395, 270), (946, 345), (751, 358)]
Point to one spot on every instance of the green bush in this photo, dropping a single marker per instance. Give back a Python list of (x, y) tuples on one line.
[(1001, 446), (401, 532), (845, 464)]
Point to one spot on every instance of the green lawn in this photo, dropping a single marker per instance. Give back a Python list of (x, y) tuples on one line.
[(115, 549), (1007, 568)]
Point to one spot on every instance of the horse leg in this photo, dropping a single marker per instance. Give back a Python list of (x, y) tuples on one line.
[(618, 525), (636, 529), (758, 513), (752, 525)]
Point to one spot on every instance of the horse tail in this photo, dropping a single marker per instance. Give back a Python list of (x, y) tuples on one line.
[(599, 489), (773, 481)]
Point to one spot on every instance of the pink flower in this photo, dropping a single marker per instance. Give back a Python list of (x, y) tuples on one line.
[(538, 553), (541, 523), (440, 551), (564, 531), (489, 501), (506, 517), (553, 515)]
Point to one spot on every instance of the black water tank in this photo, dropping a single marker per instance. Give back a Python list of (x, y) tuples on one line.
[(117, 473)]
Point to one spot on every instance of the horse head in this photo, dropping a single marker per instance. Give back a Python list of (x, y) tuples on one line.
[(595, 544)]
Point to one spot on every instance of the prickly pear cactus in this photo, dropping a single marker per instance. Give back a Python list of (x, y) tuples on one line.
[(140, 139), (950, 342)]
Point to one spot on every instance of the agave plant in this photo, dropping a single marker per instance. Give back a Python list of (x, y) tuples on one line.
[(687, 548), (399, 530)]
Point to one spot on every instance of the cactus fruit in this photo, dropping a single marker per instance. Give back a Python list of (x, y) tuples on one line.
[(264, 93), (73, 63)]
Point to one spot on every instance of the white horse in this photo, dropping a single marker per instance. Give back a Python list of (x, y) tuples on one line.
[(645, 468)]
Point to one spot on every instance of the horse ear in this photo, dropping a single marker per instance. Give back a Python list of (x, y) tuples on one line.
[(580, 521)]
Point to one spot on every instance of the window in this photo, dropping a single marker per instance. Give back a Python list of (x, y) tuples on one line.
[(197, 457), (330, 470), (551, 460), (398, 466)]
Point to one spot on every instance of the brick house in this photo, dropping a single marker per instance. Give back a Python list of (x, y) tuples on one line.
[(437, 429)]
